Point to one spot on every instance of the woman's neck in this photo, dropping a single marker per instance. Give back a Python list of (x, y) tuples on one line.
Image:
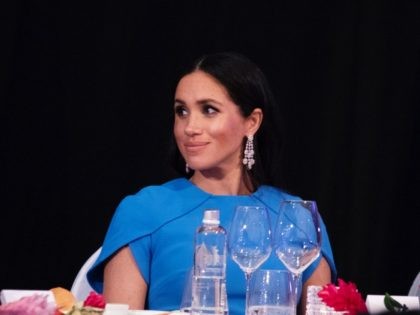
[(228, 184)]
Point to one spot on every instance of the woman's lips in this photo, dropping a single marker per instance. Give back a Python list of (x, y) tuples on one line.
[(193, 147)]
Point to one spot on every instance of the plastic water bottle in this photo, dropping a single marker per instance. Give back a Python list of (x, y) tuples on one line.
[(209, 273)]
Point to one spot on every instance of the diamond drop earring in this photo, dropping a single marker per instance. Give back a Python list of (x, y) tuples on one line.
[(249, 152)]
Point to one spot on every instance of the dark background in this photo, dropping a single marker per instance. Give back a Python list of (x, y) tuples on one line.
[(86, 102)]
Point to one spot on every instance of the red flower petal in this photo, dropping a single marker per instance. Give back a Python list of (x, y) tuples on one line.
[(94, 300), (344, 297)]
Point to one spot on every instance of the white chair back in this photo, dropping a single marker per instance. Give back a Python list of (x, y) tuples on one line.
[(415, 287), (81, 287)]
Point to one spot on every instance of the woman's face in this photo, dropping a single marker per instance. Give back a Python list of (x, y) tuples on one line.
[(209, 128)]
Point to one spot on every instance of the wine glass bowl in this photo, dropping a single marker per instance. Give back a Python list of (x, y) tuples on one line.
[(298, 234), (249, 240)]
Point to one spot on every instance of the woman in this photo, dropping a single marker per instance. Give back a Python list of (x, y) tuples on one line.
[(222, 105)]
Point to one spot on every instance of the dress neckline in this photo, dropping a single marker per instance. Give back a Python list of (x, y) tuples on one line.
[(197, 189)]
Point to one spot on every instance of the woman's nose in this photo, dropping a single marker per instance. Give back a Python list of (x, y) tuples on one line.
[(193, 126)]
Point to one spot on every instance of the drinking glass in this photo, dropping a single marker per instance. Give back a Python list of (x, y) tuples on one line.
[(270, 293), (249, 240), (297, 238)]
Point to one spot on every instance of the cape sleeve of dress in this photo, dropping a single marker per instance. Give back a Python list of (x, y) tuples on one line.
[(140, 215)]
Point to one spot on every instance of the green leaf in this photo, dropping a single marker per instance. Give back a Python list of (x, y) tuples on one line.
[(393, 305)]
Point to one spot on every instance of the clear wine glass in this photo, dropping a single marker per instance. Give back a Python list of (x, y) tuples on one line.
[(297, 237), (249, 240)]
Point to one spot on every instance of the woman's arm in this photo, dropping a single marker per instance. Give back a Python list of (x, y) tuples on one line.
[(321, 276), (123, 282)]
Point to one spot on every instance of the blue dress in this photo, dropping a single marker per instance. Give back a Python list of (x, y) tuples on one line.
[(158, 224)]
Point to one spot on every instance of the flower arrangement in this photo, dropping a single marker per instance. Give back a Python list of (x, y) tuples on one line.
[(65, 304), (346, 299), (29, 305), (343, 298), (93, 304)]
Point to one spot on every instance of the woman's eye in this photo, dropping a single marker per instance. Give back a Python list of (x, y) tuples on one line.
[(180, 111), (210, 110)]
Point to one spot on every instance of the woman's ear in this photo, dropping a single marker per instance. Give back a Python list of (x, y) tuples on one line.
[(254, 121)]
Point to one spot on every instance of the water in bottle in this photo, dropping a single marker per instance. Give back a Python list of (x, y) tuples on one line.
[(209, 274)]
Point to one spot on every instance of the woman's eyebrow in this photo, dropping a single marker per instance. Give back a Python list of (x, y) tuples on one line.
[(207, 100), (200, 102), (178, 101)]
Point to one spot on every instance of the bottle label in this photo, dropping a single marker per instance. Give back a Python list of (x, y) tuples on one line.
[(209, 262)]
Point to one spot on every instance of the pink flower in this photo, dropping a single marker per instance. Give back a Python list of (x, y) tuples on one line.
[(344, 297), (94, 300), (29, 305)]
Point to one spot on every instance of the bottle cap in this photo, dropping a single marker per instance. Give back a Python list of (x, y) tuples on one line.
[(211, 217)]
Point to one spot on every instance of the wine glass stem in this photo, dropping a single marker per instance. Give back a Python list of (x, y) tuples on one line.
[(247, 277), (295, 287)]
